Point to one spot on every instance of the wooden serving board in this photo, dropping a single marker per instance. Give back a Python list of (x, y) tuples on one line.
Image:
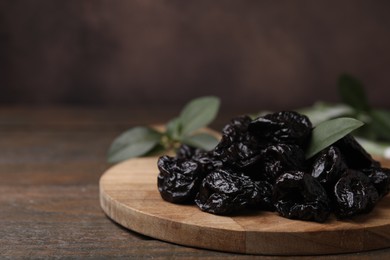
[(129, 196)]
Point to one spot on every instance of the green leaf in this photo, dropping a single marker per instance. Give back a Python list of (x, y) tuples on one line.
[(321, 111), (198, 113), (156, 151), (204, 141), (328, 132), (134, 142), (174, 128), (352, 93)]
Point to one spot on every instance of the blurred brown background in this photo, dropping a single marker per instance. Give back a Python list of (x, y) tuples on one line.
[(253, 54)]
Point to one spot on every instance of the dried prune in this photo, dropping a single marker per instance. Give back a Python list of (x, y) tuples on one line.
[(298, 195), (178, 180), (328, 166), (207, 160), (280, 158), (265, 195), (283, 127), (380, 178), (237, 154), (354, 194), (238, 147), (188, 152), (223, 192), (354, 154), (236, 127)]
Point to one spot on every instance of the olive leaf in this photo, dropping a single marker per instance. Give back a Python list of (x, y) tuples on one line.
[(134, 142), (328, 132), (173, 128), (322, 111), (156, 150), (145, 141), (352, 93), (198, 113), (203, 140)]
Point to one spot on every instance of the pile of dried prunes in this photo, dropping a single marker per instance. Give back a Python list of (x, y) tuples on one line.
[(260, 164)]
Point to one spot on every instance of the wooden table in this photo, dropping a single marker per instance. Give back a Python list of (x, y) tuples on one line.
[(51, 160)]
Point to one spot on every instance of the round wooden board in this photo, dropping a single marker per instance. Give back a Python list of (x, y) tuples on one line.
[(129, 196)]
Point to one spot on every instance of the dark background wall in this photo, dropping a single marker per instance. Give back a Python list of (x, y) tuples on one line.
[(255, 54)]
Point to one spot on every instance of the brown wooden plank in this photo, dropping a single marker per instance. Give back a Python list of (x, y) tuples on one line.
[(67, 221)]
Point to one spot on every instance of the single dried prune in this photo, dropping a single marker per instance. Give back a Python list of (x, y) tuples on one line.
[(283, 127), (178, 180), (236, 127), (354, 194), (298, 195), (238, 154), (207, 160), (223, 192), (380, 178), (354, 154), (188, 152), (238, 147), (265, 195), (280, 158), (328, 166)]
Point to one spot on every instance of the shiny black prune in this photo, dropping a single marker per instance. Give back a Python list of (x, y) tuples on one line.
[(354, 154), (207, 160), (283, 127), (237, 147), (265, 195), (223, 192), (187, 152), (238, 154), (234, 129), (328, 166), (179, 179), (297, 195), (380, 178), (354, 194), (279, 158)]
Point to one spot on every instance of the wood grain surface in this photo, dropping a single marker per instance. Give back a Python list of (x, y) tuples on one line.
[(129, 195), (51, 160)]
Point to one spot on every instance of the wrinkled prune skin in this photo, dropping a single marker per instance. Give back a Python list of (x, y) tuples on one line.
[(298, 195), (279, 158), (236, 127), (265, 193), (328, 166), (223, 192), (380, 178), (286, 127), (237, 146), (179, 179), (354, 194), (188, 152), (354, 154), (207, 160)]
